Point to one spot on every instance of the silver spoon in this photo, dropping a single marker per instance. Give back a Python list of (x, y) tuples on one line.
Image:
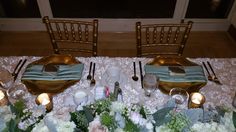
[(89, 75), (135, 78), (93, 81)]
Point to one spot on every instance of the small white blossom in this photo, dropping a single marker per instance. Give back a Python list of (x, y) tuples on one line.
[(117, 106)]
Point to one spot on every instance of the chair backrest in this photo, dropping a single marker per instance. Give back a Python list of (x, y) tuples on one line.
[(72, 36), (161, 39)]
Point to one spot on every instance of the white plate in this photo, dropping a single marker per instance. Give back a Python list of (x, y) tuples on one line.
[(105, 81)]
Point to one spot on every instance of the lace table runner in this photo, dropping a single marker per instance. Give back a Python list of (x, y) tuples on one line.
[(225, 69)]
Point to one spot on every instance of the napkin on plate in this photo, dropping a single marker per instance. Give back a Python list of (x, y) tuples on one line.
[(191, 73), (65, 72)]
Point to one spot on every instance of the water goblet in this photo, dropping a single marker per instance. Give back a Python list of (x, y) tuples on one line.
[(150, 83), (180, 97), (16, 92)]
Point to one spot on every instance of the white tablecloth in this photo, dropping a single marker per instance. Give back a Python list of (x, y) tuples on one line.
[(225, 69)]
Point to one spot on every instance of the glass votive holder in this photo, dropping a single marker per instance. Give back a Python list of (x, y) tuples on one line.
[(45, 99), (196, 100), (3, 98)]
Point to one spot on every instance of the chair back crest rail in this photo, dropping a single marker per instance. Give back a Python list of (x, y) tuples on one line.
[(161, 39), (69, 36)]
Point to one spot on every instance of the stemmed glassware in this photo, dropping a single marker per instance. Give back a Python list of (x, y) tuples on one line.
[(180, 97), (16, 92), (150, 83)]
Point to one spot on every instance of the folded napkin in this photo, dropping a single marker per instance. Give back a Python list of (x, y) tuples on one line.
[(192, 73), (65, 72)]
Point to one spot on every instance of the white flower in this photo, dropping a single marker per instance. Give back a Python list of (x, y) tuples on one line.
[(228, 121), (5, 113), (163, 128), (208, 127), (40, 127), (38, 110), (66, 126), (117, 106), (118, 130), (135, 117), (2, 124), (149, 126), (95, 126)]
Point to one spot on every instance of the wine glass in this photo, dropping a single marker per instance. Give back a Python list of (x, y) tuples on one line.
[(150, 83), (180, 97), (17, 92)]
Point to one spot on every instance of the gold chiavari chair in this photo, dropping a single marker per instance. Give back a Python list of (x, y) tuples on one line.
[(161, 39), (73, 37)]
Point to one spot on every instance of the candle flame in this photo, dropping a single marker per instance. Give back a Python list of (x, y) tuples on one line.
[(2, 95)]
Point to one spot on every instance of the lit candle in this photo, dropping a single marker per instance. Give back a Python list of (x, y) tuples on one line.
[(196, 100), (46, 100), (3, 98)]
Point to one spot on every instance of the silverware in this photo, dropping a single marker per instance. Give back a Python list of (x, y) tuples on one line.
[(135, 78), (17, 73), (215, 79), (89, 75), (14, 71), (209, 77), (141, 73), (92, 83)]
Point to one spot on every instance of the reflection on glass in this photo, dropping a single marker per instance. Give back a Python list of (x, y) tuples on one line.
[(19, 9), (150, 83), (113, 8), (180, 97), (209, 8)]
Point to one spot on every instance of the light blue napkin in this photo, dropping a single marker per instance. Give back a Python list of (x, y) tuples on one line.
[(65, 72), (192, 74)]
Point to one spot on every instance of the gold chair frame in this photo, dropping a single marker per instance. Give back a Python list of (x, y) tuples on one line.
[(73, 31), (162, 35)]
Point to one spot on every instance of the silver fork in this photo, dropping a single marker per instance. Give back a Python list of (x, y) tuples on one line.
[(215, 79), (209, 77)]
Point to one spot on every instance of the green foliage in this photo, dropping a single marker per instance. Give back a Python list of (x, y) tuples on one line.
[(101, 106), (88, 113), (12, 126), (108, 121), (80, 121), (160, 116), (143, 113), (130, 126), (178, 121), (18, 108)]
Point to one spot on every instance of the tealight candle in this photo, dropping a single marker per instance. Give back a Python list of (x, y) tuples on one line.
[(196, 100), (46, 100), (3, 98)]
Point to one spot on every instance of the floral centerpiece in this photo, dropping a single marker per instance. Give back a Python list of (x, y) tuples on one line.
[(109, 115)]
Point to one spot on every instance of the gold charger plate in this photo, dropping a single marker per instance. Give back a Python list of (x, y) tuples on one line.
[(165, 87), (51, 86)]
